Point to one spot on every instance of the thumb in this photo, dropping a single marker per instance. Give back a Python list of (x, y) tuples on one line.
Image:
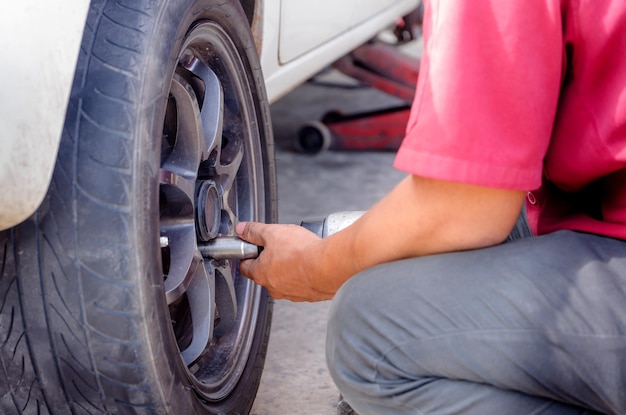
[(251, 232)]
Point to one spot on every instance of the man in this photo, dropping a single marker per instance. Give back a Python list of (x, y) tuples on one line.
[(492, 280)]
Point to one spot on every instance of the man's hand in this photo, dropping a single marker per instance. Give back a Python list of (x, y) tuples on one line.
[(287, 263)]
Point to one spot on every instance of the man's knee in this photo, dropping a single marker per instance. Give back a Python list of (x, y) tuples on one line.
[(339, 337), (348, 322)]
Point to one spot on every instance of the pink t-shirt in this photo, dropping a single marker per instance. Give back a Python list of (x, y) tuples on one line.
[(527, 95)]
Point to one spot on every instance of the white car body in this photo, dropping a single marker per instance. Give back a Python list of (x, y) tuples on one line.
[(40, 41)]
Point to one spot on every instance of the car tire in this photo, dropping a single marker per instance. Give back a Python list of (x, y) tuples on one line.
[(106, 303)]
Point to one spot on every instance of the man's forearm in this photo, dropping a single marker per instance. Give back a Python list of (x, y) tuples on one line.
[(419, 217)]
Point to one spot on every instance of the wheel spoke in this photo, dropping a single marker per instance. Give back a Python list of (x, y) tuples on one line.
[(227, 176), (212, 112), (201, 297), (179, 191), (183, 262), (184, 155), (228, 167), (226, 299), (178, 226)]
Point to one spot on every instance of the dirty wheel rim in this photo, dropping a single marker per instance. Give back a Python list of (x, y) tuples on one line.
[(210, 177)]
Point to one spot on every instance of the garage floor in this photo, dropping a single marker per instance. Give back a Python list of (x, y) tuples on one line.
[(296, 380)]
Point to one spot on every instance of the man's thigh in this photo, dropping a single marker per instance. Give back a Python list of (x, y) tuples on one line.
[(542, 316)]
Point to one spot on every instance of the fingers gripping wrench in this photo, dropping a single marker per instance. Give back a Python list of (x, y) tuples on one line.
[(230, 247), (234, 248)]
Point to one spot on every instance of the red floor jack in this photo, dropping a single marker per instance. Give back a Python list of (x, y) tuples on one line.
[(384, 67)]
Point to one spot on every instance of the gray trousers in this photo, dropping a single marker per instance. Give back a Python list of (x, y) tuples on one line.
[(536, 325)]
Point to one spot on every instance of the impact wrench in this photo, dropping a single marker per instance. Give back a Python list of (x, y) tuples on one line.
[(234, 248)]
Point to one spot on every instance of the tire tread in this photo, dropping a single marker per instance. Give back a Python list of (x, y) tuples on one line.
[(24, 394)]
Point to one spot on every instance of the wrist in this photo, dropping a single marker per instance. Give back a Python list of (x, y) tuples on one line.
[(333, 263)]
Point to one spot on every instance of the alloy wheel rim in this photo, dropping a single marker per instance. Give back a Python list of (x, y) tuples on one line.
[(210, 177)]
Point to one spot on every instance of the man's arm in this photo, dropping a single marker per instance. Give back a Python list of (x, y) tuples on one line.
[(419, 217)]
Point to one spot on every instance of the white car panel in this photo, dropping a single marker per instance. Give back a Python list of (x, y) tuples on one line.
[(39, 41), (305, 24), (282, 78), (365, 9)]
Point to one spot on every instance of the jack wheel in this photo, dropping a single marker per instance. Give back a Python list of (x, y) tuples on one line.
[(313, 138)]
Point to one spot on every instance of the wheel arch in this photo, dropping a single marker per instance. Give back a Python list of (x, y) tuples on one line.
[(254, 10)]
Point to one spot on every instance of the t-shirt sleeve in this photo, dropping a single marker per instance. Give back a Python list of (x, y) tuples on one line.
[(487, 93)]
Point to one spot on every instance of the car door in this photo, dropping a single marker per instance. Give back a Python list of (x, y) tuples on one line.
[(306, 25)]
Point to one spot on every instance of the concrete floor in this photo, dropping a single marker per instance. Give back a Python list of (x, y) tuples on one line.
[(296, 380)]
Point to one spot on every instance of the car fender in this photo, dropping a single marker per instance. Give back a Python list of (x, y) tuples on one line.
[(40, 42)]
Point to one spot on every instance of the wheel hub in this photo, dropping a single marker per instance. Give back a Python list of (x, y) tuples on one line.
[(208, 210)]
